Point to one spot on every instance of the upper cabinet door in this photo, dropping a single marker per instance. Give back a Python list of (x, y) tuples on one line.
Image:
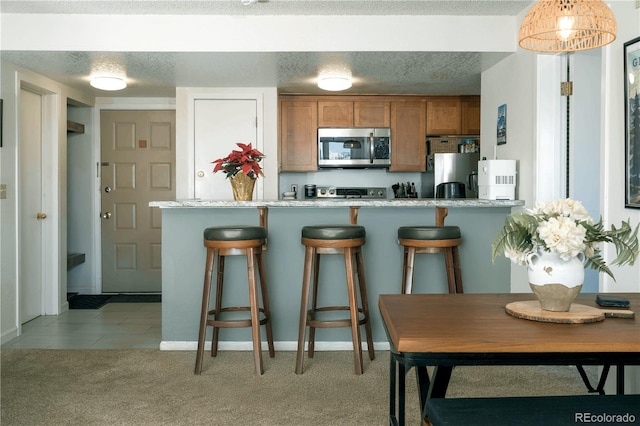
[(408, 132), (444, 115), (471, 115), (298, 136), (335, 114), (371, 114)]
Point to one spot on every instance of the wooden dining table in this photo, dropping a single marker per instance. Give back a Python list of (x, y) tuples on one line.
[(447, 330)]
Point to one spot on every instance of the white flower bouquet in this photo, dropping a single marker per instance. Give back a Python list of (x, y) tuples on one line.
[(564, 227)]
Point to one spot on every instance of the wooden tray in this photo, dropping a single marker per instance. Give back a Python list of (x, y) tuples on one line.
[(577, 314)]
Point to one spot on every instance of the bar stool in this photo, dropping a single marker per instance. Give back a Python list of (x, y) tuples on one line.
[(431, 239), (225, 241), (334, 239)]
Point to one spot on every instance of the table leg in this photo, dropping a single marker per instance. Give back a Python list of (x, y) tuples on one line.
[(397, 373), (402, 383), (392, 389), (620, 379), (422, 379), (439, 381)]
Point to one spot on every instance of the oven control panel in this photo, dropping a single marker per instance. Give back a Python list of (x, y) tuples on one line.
[(342, 192)]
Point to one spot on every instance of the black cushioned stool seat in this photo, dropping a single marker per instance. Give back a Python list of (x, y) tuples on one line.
[(429, 240), (345, 240), (222, 241)]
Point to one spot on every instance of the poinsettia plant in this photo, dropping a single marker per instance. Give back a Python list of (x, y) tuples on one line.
[(245, 160), (564, 227)]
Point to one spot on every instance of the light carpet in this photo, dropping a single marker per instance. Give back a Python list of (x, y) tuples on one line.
[(151, 387)]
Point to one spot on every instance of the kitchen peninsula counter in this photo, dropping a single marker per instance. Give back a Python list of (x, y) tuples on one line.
[(183, 258), (347, 202)]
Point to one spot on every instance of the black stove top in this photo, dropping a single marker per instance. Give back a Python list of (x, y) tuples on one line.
[(351, 192)]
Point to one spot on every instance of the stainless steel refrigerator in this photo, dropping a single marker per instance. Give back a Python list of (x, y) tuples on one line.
[(450, 167)]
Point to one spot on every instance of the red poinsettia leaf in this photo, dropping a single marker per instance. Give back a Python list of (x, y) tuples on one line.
[(246, 168)]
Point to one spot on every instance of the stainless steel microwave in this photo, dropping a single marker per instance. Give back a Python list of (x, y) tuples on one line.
[(354, 148)]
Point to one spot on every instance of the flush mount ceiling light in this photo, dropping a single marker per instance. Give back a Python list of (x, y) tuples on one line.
[(567, 26), (334, 84), (334, 80), (108, 83)]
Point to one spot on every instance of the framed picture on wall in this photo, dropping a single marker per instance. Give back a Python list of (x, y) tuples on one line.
[(502, 124), (632, 122)]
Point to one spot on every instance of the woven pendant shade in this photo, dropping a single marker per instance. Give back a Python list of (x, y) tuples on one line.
[(567, 26)]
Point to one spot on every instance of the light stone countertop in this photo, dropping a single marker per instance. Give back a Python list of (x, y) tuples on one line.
[(351, 202)]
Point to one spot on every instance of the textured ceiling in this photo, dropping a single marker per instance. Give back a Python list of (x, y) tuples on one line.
[(157, 74)]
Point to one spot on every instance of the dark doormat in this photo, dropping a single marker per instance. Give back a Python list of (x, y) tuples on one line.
[(88, 301), (96, 301), (136, 298)]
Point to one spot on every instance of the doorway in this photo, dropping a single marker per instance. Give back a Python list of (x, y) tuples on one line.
[(137, 166)]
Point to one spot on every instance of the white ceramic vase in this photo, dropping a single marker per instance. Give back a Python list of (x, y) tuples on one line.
[(555, 282)]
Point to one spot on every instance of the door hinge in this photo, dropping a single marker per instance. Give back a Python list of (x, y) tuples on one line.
[(566, 88)]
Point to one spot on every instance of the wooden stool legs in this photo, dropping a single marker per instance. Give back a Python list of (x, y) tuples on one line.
[(452, 263), (454, 274), (307, 316), (211, 317), (206, 294)]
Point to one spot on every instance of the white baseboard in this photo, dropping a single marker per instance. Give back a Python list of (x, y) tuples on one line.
[(291, 346), (11, 334)]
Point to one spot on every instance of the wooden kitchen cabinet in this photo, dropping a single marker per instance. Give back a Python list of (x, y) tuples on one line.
[(408, 132), (444, 115), (298, 135), (353, 114), (371, 114), (453, 115), (470, 115), (335, 114)]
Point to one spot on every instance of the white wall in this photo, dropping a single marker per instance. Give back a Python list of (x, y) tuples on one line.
[(612, 167), (613, 156), (512, 82), (246, 33), (54, 174), (81, 178)]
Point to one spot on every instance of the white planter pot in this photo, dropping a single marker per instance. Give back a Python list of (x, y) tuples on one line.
[(555, 282)]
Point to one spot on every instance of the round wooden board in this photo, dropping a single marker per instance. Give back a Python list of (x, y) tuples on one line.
[(577, 314)]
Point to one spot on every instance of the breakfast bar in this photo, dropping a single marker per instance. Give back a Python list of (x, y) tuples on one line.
[(183, 259)]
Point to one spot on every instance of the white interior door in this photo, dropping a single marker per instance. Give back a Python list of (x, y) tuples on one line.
[(138, 166), (219, 125), (31, 214)]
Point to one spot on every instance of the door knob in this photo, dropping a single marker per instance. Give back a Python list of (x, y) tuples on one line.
[(200, 173), (106, 215), (107, 189), (41, 216)]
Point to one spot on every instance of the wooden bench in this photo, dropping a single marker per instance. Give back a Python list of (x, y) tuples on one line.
[(535, 410)]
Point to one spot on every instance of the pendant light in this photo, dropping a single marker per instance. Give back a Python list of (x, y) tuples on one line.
[(567, 26)]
